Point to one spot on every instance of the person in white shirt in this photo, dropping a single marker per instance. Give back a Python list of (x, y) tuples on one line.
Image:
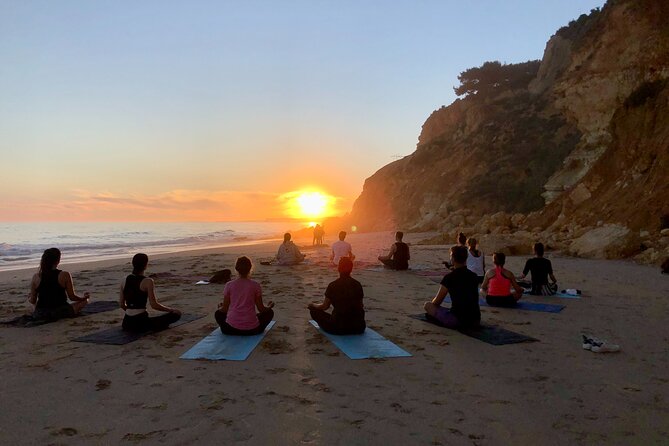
[(289, 253), (341, 249), (475, 259)]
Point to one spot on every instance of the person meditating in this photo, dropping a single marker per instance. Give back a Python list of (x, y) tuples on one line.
[(475, 259), (345, 295), (461, 240), (289, 253), (236, 315), (50, 289), (398, 257), (498, 282), (136, 290), (541, 269), (340, 249), (462, 285)]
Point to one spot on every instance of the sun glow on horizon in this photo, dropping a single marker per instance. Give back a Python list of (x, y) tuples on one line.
[(309, 204)]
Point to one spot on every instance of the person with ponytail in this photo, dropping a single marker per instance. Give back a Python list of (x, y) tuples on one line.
[(136, 290), (498, 283), (50, 289)]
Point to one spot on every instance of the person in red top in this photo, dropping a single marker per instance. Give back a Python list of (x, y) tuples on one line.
[(236, 315), (498, 282)]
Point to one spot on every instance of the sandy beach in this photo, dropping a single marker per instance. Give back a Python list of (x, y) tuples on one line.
[(298, 388)]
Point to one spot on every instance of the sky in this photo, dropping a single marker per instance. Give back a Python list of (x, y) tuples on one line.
[(225, 110)]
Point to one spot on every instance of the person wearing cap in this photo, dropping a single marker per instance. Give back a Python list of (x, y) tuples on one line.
[(345, 295)]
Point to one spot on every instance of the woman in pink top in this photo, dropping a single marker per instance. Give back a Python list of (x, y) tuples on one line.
[(498, 282), (236, 315)]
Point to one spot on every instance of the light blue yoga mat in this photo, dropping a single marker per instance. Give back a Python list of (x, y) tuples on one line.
[(218, 346), (523, 305), (370, 344)]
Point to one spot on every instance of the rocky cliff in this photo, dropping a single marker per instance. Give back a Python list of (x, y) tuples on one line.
[(575, 151)]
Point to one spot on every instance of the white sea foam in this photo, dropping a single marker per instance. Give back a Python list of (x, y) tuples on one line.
[(22, 244)]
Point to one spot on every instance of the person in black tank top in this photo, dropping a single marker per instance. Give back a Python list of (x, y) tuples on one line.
[(398, 257), (138, 290), (50, 289)]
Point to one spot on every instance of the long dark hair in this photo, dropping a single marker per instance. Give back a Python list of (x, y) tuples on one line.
[(50, 259)]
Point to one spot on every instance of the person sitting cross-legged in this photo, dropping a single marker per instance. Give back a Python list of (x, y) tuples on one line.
[(236, 315), (498, 282), (345, 295), (462, 285), (398, 257)]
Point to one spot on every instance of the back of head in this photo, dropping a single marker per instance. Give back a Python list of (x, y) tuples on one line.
[(399, 235), (472, 243), (462, 239), (459, 254), (50, 259), (139, 263), (665, 266), (286, 237), (342, 235), (243, 266), (345, 266), (539, 249), (499, 258)]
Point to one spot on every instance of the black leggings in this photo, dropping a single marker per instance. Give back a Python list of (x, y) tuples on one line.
[(501, 301), (392, 264), (338, 327), (142, 322), (264, 318)]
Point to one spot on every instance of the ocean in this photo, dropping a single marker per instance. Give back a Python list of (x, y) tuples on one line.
[(22, 244)]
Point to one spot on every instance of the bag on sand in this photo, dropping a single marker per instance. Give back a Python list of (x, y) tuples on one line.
[(223, 276)]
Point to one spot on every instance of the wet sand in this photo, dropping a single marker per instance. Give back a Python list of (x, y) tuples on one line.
[(298, 388)]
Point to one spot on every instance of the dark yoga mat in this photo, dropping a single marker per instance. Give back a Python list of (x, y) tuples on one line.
[(92, 308), (117, 336), (490, 334), (522, 305)]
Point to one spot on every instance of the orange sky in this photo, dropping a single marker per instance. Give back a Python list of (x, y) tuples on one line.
[(177, 205)]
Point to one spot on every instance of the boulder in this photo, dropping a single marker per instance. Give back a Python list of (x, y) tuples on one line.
[(609, 241)]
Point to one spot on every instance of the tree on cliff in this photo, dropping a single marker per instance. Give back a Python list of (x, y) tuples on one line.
[(493, 77)]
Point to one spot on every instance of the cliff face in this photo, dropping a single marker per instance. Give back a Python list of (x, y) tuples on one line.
[(583, 145)]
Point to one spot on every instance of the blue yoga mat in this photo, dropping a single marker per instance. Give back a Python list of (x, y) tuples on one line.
[(523, 305), (559, 294), (218, 346), (370, 344)]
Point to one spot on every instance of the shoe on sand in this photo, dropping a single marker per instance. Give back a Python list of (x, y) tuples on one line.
[(604, 347), (588, 342)]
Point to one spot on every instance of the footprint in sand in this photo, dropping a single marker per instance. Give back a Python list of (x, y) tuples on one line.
[(102, 384), (277, 346), (65, 431)]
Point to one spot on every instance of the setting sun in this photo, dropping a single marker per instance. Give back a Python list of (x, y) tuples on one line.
[(309, 204), (312, 204)]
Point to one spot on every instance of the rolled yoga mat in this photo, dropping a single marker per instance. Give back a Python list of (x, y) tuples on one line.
[(368, 345), (490, 334), (95, 307), (218, 346), (118, 336)]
